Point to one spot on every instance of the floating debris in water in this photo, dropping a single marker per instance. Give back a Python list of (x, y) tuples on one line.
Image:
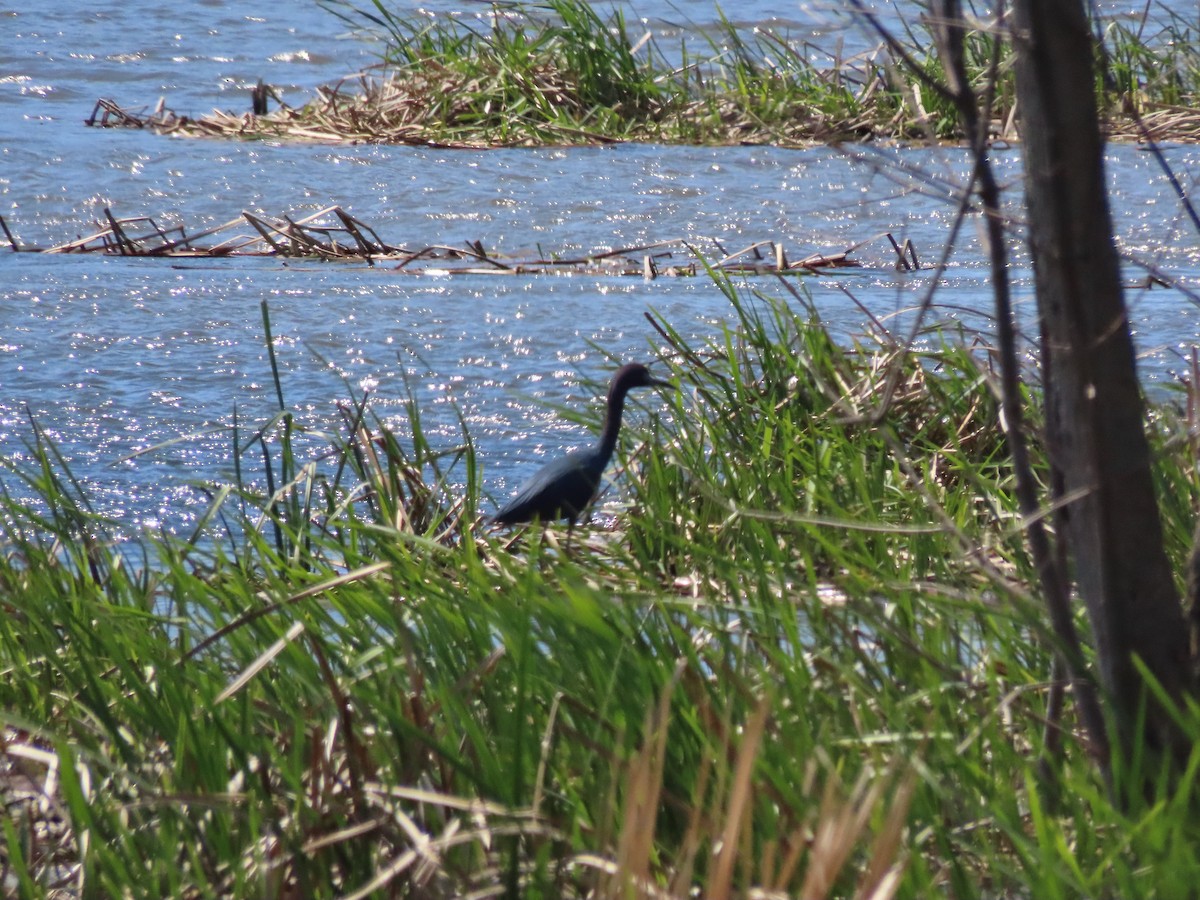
[(333, 234)]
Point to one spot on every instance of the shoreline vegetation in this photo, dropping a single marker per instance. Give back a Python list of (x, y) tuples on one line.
[(805, 663), (559, 74)]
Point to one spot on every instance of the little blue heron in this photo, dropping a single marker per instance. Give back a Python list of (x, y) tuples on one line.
[(563, 488)]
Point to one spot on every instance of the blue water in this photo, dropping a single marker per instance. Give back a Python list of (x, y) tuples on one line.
[(114, 356)]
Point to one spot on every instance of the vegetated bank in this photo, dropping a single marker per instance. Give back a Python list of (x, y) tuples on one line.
[(805, 665)]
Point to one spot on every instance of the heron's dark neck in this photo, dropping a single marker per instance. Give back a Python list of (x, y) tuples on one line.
[(612, 419)]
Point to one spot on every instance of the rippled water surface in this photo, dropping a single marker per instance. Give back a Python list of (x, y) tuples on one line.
[(112, 356)]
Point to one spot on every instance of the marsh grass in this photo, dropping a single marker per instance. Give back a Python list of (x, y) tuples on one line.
[(807, 663), (559, 73)]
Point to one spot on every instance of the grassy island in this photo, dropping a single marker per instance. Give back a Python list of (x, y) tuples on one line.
[(560, 74)]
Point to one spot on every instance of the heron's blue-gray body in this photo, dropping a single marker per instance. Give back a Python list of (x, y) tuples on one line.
[(564, 487)]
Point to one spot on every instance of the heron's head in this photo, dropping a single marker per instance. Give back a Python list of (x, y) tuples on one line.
[(635, 375)]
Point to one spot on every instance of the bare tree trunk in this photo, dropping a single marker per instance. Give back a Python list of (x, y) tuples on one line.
[(1095, 413), (1049, 558)]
